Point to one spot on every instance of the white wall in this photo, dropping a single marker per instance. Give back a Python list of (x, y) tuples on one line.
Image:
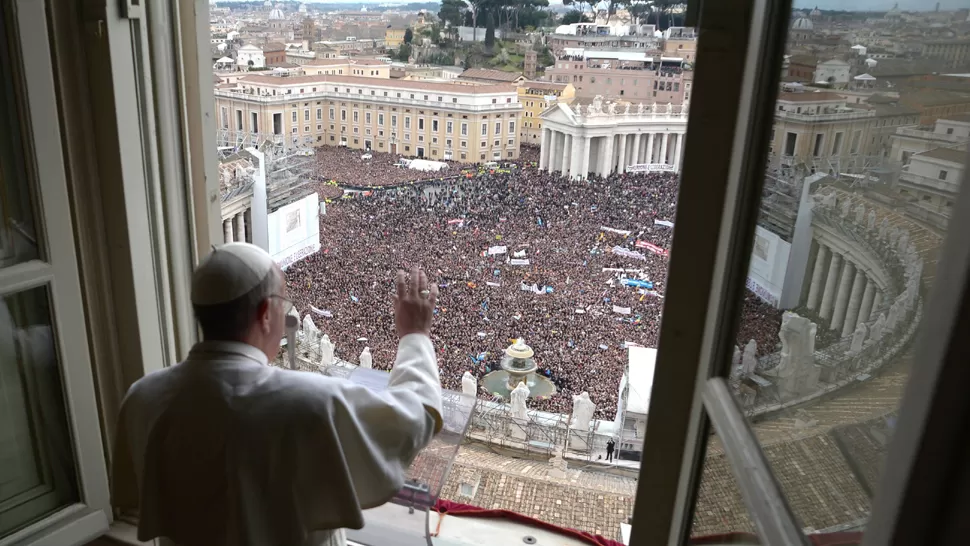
[(294, 231), (960, 128), (769, 262)]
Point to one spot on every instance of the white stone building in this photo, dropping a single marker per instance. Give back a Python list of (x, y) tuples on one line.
[(250, 56), (834, 72), (605, 138)]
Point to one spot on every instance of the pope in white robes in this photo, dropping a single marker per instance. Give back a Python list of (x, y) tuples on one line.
[(223, 449)]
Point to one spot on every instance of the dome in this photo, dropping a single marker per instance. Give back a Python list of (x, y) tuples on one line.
[(276, 14), (803, 23), (815, 14), (267, 4)]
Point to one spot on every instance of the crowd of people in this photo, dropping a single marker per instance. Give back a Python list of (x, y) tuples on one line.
[(554, 277)]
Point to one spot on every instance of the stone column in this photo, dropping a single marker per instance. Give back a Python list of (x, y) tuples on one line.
[(575, 156), (876, 302), (249, 224), (240, 227), (855, 301), (544, 149), (828, 295), (649, 158), (606, 156), (663, 148), (227, 230), (815, 289), (635, 156), (868, 296), (842, 296), (567, 142), (678, 150), (584, 158), (621, 166)]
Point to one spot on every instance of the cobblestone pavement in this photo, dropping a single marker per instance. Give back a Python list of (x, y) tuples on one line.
[(588, 501)]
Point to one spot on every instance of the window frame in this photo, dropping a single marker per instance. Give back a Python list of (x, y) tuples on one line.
[(716, 222)]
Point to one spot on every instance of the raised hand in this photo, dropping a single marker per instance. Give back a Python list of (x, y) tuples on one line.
[(414, 303)]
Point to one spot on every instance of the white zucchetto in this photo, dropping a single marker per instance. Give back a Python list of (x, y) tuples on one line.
[(228, 272)]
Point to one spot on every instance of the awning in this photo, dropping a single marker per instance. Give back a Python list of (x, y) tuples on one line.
[(225, 60), (865, 78)]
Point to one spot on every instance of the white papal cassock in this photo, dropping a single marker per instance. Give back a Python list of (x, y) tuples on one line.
[(224, 450)]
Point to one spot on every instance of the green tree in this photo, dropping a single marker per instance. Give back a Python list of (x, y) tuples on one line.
[(404, 53), (453, 12), (575, 16), (408, 36)]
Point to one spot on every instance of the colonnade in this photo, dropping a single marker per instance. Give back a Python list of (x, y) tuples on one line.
[(577, 155), (234, 227), (842, 291)]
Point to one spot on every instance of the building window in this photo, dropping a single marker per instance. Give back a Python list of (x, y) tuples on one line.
[(942, 175), (407, 122), (343, 115), (464, 129), (356, 116), (464, 143), (817, 148), (306, 115), (434, 125), (464, 155), (448, 143), (367, 118), (484, 144), (498, 127), (225, 117), (949, 130), (293, 116), (421, 124), (448, 127), (331, 114), (484, 129), (393, 121), (790, 139), (319, 114)]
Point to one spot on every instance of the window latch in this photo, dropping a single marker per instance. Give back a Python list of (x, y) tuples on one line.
[(131, 9)]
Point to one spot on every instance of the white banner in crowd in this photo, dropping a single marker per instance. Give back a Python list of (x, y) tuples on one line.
[(493, 250), (650, 168), (621, 270), (494, 284), (580, 311), (518, 262), (518, 254), (664, 223), (322, 312), (622, 232), (627, 253), (622, 310)]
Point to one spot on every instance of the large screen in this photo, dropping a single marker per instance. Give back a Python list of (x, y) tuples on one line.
[(294, 231)]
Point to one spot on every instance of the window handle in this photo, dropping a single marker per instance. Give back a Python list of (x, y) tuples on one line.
[(131, 9)]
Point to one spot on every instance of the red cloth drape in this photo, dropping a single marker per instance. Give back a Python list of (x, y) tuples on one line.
[(467, 510)]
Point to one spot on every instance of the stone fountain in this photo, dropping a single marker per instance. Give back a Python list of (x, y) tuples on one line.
[(518, 366)]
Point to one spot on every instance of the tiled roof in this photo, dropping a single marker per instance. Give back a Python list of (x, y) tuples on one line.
[(809, 97), (381, 82), (488, 74), (946, 154), (544, 85)]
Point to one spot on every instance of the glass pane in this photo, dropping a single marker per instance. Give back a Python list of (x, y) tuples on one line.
[(37, 468), (541, 224), (18, 234), (861, 176)]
